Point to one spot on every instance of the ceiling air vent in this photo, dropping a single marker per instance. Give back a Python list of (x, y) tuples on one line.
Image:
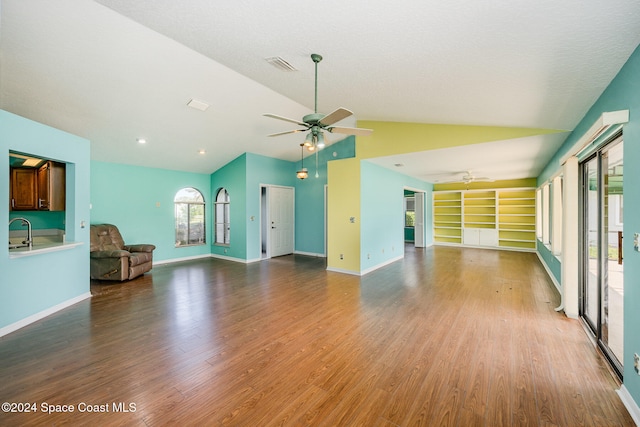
[(280, 63)]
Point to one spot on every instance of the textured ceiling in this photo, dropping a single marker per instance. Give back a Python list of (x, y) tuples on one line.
[(116, 70)]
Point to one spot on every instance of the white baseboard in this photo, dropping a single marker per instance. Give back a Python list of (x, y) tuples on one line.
[(41, 315), (549, 273), (340, 270), (630, 404), (314, 254), (387, 262), (228, 258), (368, 270), (172, 260)]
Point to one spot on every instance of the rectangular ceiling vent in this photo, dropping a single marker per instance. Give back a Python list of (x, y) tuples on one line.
[(280, 63)]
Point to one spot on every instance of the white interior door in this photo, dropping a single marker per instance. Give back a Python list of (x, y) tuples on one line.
[(281, 217), (419, 224)]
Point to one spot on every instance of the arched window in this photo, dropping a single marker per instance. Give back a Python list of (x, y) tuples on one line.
[(189, 213), (222, 217)]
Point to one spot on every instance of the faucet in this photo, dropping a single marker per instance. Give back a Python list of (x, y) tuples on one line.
[(29, 241)]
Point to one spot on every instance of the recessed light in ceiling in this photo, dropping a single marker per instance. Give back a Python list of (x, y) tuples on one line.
[(280, 63), (198, 105), (141, 141), (202, 152)]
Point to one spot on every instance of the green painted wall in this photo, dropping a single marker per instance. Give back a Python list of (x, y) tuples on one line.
[(232, 177), (263, 170), (33, 284), (382, 211), (622, 93), (139, 201), (310, 209)]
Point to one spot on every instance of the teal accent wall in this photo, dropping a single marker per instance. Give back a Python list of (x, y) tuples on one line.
[(622, 93), (553, 263), (30, 285), (40, 219), (310, 208), (233, 177), (139, 201), (263, 170), (409, 234), (382, 210)]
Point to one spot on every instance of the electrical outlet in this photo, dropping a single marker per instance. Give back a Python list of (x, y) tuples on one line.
[(636, 363), (341, 256), (636, 237)]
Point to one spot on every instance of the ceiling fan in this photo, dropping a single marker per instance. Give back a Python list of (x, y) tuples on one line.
[(317, 123), (467, 178)]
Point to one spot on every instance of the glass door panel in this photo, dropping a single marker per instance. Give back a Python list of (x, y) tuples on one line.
[(602, 286), (612, 267), (590, 289)]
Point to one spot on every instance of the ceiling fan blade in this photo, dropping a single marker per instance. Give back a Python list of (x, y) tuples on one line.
[(335, 116), (287, 132), (286, 119), (350, 131)]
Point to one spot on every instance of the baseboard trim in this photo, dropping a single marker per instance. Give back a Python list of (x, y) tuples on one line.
[(382, 264), (313, 254), (340, 270), (41, 315), (549, 273), (368, 270), (240, 260), (173, 260), (630, 404)]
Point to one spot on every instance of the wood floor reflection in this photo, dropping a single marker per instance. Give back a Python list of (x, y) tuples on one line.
[(447, 336)]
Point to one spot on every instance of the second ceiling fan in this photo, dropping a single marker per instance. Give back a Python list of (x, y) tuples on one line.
[(317, 123)]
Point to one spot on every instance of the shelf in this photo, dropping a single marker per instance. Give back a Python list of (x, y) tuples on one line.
[(510, 212)]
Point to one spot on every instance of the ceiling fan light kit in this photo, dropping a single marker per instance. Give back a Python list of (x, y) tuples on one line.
[(317, 123)]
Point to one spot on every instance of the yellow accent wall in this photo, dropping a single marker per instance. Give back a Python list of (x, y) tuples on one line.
[(343, 195), (505, 183), (389, 138)]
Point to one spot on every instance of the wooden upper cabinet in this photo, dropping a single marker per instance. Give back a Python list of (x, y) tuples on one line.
[(23, 189), (51, 187), (38, 189)]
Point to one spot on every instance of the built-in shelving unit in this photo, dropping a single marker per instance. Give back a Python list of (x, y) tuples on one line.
[(502, 218), (479, 209), (517, 218), (447, 216)]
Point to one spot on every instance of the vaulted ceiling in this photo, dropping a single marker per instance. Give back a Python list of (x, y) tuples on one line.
[(113, 71)]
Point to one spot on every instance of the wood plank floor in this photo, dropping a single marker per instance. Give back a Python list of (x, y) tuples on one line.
[(446, 337)]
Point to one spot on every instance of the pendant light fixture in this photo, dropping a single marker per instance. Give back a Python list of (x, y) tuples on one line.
[(302, 173)]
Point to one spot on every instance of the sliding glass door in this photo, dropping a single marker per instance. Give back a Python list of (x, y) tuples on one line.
[(602, 287)]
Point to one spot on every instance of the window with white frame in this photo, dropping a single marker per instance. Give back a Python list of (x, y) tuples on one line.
[(409, 211), (190, 218), (222, 217), (556, 220), (539, 213), (546, 211)]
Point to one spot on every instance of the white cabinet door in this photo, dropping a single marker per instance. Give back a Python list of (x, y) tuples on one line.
[(480, 236)]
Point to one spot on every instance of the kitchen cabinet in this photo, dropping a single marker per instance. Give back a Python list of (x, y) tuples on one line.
[(23, 189), (51, 186), (40, 188)]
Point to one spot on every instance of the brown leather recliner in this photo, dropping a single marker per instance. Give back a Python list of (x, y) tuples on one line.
[(111, 259)]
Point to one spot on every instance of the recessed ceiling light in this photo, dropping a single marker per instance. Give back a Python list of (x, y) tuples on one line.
[(198, 105), (202, 152), (141, 141)]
